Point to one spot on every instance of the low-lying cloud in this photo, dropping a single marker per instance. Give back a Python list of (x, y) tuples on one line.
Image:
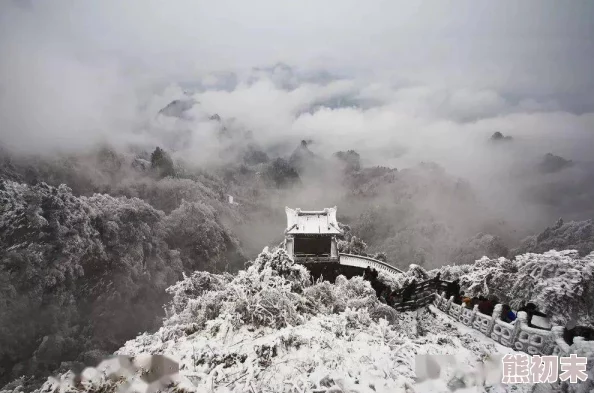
[(399, 82)]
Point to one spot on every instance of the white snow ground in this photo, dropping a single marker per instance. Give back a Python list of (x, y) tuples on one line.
[(346, 352)]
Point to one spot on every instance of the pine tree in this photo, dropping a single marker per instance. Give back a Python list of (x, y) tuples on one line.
[(162, 163)]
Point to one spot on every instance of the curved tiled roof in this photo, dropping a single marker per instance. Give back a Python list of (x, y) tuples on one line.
[(318, 222)]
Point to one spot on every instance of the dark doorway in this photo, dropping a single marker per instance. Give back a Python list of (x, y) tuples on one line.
[(312, 246)]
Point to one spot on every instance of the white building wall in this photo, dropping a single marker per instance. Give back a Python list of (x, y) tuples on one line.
[(290, 245), (333, 248)]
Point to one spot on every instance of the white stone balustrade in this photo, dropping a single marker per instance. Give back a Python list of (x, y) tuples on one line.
[(467, 315), (531, 340), (454, 309), (482, 323), (442, 302), (518, 335), (505, 333)]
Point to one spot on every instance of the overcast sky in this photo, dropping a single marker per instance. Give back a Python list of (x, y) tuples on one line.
[(72, 69), (544, 46)]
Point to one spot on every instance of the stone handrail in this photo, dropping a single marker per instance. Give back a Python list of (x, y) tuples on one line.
[(518, 335), (364, 262)]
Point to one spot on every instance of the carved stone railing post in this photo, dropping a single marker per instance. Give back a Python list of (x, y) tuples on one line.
[(516, 331), (440, 298), (521, 320), (461, 313), (577, 342), (494, 317), (558, 345), (473, 315)]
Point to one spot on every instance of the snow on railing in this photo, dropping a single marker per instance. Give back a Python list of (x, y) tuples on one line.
[(364, 262), (518, 335), (504, 333)]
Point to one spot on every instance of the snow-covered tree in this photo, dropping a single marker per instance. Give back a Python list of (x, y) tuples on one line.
[(560, 283), (162, 163), (204, 243), (79, 274), (480, 245), (573, 235)]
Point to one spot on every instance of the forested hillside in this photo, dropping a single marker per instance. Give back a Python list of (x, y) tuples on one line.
[(80, 274)]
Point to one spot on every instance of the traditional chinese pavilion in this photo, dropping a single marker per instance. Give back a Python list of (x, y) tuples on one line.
[(311, 239), (311, 236)]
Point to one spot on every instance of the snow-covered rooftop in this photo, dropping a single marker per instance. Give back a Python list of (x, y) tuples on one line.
[(322, 222)]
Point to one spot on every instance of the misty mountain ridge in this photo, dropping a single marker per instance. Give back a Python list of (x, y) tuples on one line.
[(498, 136), (552, 163), (421, 215), (178, 108)]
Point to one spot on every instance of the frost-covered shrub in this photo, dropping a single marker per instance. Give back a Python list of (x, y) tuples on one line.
[(354, 288), (394, 281), (193, 286), (272, 292), (197, 312), (353, 246), (324, 297), (268, 293), (356, 319), (562, 283), (272, 307), (417, 272), (280, 263), (383, 311), (452, 272)]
